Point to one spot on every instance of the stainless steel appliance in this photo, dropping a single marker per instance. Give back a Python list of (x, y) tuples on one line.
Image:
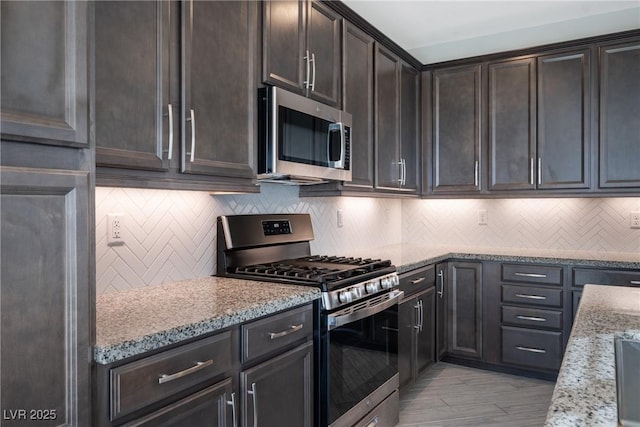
[(357, 335), (301, 140)]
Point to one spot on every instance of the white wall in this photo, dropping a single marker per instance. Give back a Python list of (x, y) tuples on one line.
[(171, 235)]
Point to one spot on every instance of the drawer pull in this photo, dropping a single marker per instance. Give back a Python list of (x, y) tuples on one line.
[(532, 318), (373, 422), (165, 378), (232, 403), (531, 350), (634, 282), (536, 297), (292, 329), (535, 275), (422, 279)]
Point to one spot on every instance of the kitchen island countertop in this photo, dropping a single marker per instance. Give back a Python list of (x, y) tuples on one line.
[(585, 392), (135, 321)]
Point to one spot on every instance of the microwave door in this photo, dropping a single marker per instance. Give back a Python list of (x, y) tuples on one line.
[(336, 145)]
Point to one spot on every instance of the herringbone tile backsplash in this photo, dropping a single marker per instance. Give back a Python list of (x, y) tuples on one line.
[(171, 235)]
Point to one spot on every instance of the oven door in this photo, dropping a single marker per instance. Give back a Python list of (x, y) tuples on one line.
[(362, 360)]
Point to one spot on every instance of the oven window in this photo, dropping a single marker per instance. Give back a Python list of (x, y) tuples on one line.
[(302, 138), (363, 355)]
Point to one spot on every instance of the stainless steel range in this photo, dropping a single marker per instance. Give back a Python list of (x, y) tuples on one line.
[(357, 336)]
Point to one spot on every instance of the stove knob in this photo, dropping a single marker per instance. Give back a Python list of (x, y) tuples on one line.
[(372, 287), (345, 296), (395, 280), (356, 293), (385, 283)]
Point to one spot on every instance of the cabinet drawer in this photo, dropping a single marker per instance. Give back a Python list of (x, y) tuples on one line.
[(417, 280), (532, 274), (532, 348), (138, 384), (586, 276), (529, 295), (272, 333), (532, 317)]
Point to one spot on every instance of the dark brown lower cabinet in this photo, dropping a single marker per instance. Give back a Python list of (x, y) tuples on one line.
[(532, 348), (206, 408), (416, 336), (279, 391), (464, 309)]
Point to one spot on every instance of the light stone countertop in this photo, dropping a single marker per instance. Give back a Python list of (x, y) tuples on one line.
[(135, 321), (407, 257), (585, 392)]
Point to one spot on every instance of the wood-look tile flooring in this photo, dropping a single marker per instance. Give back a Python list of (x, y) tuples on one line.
[(450, 395)]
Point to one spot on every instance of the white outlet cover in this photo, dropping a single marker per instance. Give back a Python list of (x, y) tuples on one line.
[(483, 217), (634, 219), (115, 229)]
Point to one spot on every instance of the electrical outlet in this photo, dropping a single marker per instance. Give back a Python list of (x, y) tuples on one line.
[(340, 218), (634, 219), (115, 227), (483, 217)]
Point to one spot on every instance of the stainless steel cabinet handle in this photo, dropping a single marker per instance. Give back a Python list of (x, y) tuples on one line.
[(421, 315), (531, 350), (404, 168), (634, 282), (306, 79), (193, 135), (400, 172), (417, 325), (476, 172), (539, 170), (536, 275), (292, 329), (313, 78), (170, 154), (537, 297), (373, 422), (165, 378), (531, 171), (232, 403), (253, 394), (441, 276), (532, 318), (418, 280)]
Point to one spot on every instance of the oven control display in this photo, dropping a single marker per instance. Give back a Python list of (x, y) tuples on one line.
[(274, 228)]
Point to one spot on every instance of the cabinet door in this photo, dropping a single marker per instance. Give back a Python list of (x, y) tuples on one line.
[(425, 339), (132, 85), (407, 327), (512, 131), (441, 310), (409, 127), (45, 296), (464, 318), (456, 129), (279, 392), (619, 112), (564, 120), (387, 104), (357, 96), (44, 88), (323, 44), (207, 408), (219, 88), (283, 48)]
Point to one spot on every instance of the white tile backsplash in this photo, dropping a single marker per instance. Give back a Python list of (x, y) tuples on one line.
[(171, 235)]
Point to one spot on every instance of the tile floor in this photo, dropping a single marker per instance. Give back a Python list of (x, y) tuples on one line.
[(450, 395)]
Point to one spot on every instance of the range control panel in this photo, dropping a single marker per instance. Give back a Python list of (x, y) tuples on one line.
[(274, 228)]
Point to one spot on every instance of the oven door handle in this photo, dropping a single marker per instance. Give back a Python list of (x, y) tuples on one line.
[(334, 321)]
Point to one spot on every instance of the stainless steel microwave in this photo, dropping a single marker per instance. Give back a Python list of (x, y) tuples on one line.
[(301, 140)]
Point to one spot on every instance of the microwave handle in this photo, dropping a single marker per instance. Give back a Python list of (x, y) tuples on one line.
[(339, 126)]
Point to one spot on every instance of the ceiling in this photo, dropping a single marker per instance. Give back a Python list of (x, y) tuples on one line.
[(437, 31)]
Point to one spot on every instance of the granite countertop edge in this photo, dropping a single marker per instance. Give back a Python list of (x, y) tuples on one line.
[(111, 353)]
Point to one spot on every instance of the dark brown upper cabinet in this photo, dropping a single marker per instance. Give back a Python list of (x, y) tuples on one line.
[(357, 95), (563, 125), (176, 88), (619, 113), (50, 105), (218, 88), (134, 118), (397, 90), (457, 115), (301, 48), (512, 125)]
